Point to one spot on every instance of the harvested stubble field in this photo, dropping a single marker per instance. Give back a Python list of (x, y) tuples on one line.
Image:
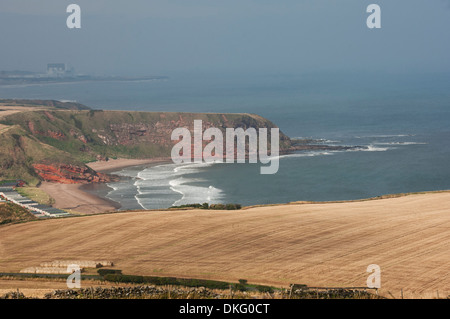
[(328, 245)]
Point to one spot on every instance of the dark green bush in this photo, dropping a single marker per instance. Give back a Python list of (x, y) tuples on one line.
[(188, 206), (102, 272), (264, 289), (239, 287), (212, 206), (161, 281), (217, 206), (124, 278), (212, 284)]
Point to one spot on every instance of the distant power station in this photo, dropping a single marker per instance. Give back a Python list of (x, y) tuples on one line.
[(59, 70)]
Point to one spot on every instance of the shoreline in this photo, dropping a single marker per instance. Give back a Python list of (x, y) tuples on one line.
[(78, 199), (121, 163)]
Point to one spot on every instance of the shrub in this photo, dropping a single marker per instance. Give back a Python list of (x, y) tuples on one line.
[(212, 206), (103, 272), (225, 207), (299, 286), (212, 284), (239, 287), (124, 278), (217, 206), (160, 281), (264, 289), (188, 206)]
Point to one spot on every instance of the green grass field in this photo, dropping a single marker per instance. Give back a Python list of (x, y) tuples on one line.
[(36, 194)]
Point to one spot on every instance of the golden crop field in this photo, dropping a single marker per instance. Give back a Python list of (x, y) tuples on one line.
[(327, 245)]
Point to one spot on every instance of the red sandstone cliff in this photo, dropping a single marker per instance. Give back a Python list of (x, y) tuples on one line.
[(69, 174)]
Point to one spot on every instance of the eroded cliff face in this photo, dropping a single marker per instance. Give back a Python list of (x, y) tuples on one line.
[(70, 174), (22, 156), (157, 129), (87, 135), (84, 136)]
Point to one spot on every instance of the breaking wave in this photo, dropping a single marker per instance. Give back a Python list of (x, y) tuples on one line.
[(165, 185)]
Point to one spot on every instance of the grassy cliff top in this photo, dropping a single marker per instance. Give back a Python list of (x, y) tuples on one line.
[(43, 103)]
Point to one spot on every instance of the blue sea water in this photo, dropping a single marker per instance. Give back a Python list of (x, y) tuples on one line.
[(402, 119)]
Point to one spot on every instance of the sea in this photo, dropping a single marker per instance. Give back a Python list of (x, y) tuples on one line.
[(402, 120)]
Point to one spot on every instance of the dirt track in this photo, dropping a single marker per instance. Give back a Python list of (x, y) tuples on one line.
[(314, 244)]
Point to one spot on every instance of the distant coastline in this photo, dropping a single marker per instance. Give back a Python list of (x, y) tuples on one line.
[(21, 80)]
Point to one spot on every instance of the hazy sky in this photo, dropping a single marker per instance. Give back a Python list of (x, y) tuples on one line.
[(140, 37)]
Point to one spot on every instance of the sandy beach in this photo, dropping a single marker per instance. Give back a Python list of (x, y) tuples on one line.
[(117, 164), (71, 197)]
